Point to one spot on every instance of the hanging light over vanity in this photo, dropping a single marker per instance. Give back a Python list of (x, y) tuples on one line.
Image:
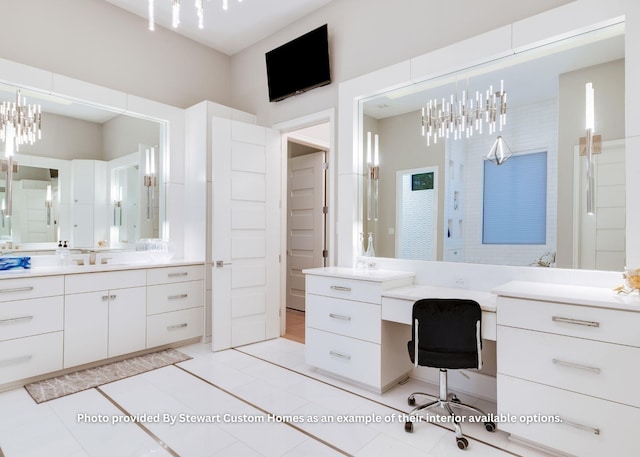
[(20, 123)]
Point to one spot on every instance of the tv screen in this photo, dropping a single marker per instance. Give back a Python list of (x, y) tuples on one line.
[(299, 65)]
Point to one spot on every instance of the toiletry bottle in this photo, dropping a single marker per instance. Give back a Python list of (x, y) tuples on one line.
[(66, 259), (370, 250), (59, 252)]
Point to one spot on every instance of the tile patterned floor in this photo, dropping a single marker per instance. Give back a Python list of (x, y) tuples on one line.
[(261, 400)]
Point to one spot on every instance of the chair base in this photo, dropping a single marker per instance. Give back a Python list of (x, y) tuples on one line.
[(446, 401)]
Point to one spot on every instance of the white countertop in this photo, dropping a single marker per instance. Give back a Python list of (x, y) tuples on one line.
[(487, 300), (359, 273), (564, 293), (73, 269)]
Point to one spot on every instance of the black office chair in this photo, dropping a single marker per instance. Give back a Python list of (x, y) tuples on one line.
[(446, 335)]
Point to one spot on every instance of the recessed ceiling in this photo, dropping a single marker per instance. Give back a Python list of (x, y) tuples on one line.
[(244, 23)]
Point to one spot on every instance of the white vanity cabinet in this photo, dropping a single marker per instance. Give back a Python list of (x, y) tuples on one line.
[(105, 315), (175, 304), (574, 361), (31, 324), (345, 334)]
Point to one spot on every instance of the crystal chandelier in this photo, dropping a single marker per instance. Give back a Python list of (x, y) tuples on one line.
[(175, 12), (462, 117), (20, 123)]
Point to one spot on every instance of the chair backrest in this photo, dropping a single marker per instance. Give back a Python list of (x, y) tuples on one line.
[(446, 333)]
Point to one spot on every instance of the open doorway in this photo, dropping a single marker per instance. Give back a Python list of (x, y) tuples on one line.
[(306, 218)]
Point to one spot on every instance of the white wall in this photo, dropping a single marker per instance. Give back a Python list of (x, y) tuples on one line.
[(366, 35), (94, 41)]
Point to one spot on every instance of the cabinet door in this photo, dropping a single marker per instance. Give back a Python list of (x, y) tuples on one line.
[(127, 320), (86, 321)]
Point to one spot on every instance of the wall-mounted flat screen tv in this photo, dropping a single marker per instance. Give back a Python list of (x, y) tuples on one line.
[(299, 65)]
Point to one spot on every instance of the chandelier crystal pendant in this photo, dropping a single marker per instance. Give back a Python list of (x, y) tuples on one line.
[(461, 117), (20, 123)]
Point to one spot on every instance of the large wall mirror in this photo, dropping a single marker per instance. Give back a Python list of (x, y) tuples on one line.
[(445, 201), (84, 180)]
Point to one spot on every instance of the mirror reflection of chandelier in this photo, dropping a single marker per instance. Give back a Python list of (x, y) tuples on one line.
[(20, 123), (461, 117)]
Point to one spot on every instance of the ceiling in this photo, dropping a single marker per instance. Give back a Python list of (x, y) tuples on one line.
[(244, 23)]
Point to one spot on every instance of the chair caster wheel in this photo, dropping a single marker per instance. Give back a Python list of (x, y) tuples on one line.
[(490, 426), (411, 400), (455, 399), (408, 427), (462, 443)]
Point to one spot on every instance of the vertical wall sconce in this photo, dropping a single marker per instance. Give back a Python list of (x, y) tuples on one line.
[(48, 203), (373, 167), (117, 207), (20, 123), (590, 145), (150, 181)]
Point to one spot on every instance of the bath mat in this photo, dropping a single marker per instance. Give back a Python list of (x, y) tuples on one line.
[(78, 381)]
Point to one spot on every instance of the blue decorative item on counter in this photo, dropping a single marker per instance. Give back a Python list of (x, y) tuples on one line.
[(14, 263)]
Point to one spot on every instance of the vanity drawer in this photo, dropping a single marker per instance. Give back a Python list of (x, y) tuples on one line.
[(174, 326), (365, 291), (346, 357), (90, 282), (175, 274), (25, 288), (31, 356), (163, 298), (345, 317), (591, 427), (603, 370), (31, 317), (614, 326)]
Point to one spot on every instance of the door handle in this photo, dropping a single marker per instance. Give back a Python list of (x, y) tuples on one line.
[(221, 263)]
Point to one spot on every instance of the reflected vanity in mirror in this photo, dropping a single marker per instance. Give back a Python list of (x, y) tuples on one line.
[(82, 180), (530, 209)]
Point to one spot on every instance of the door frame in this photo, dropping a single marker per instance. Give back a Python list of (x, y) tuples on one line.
[(321, 117)]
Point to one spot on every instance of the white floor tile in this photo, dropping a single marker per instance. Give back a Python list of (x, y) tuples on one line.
[(235, 382)]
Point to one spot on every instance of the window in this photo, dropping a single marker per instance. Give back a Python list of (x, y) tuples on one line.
[(515, 200)]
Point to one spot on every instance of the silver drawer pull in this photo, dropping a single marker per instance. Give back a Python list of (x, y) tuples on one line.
[(340, 355), (15, 360), (16, 289), (177, 297), (568, 320), (576, 365), (176, 327), (105, 297), (341, 288), (595, 431), (174, 275), (15, 319), (112, 297), (338, 316)]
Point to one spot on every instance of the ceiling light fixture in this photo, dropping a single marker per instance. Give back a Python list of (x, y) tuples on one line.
[(175, 12), (463, 117), (500, 151)]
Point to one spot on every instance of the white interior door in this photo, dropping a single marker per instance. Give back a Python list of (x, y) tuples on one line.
[(306, 218), (245, 234)]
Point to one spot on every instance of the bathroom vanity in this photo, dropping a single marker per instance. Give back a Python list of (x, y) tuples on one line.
[(63, 318), (565, 353)]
